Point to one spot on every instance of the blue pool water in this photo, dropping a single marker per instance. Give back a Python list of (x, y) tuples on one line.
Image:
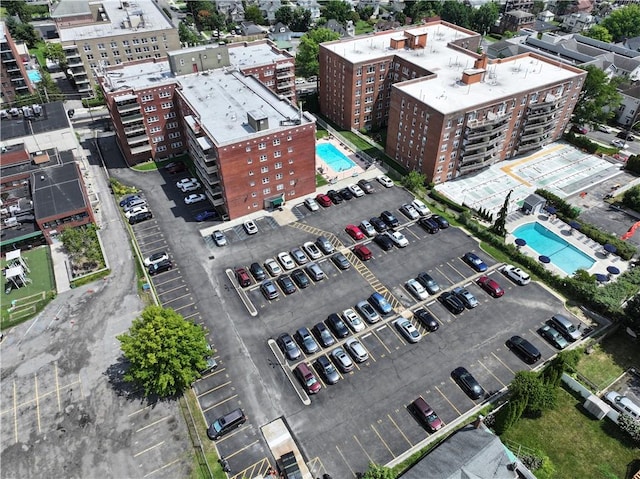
[(334, 157), (34, 76), (562, 254)]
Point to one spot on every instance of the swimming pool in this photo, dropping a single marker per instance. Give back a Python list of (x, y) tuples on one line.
[(34, 76), (334, 157), (545, 242)]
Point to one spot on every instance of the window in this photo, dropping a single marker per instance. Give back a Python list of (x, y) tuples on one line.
[(146, 49), (263, 158), (278, 165), (114, 45), (100, 46), (149, 108), (127, 51), (262, 146), (280, 187), (248, 148), (152, 119), (154, 129), (125, 43), (153, 39), (265, 180), (359, 71), (181, 62), (166, 105), (288, 137), (371, 69), (249, 161), (169, 115), (279, 176), (276, 141), (292, 182), (147, 97), (116, 53), (250, 172), (144, 40), (161, 148), (277, 154), (104, 55), (136, 41), (444, 147), (89, 56), (290, 149), (174, 135), (449, 124), (358, 82), (171, 125), (268, 73), (291, 172), (291, 161), (266, 191), (158, 139), (177, 144), (253, 195), (87, 48), (264, 169), (441, 159), (137, 50)]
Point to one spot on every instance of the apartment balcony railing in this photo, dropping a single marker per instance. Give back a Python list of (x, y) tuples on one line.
[(140, 149), (126, 120), (134, 140)]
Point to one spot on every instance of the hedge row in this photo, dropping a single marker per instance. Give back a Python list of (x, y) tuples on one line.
[(564, 209), (443, 199), (582, 142)]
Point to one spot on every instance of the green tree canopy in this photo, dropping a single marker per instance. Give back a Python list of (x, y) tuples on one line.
[(623, 23), (598, 32), (529, 386), (499, 226), (378, 472), (22, 32), (631, 198), (632, 310), (421, 9), (483, 18), (252, 13), (284, 15), (54, 52), (598, 100), (457, 13), (165, 351), (414, 180), (307, 63), (301, 20), (187, 35), (18, 8), (338, 10)]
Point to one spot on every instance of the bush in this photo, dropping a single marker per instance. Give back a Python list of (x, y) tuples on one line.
[(631, 198), (564, 209), (633, 164), (450, 203), (119, 189), (508, 415), (582, 142), (630, 426)]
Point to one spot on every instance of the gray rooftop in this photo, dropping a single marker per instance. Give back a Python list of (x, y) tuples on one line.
[(57, 191), (254, 55), (139, 75), (52, 118)]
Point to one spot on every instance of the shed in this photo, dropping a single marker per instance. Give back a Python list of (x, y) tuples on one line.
[(533, 204), (596, 406)]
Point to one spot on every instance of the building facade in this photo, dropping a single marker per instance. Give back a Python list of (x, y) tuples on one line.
[(13, 74), (95, 35), (450, 111)]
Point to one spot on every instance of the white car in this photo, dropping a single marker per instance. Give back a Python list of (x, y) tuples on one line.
[(409, 211), (250, 227), (605, 129), (420, 207), (399, 239), (219, 238), (516, 274), (312, 250), (185, 182), (619, 143), (385, 181), (195, 198), (286, 261), (357, 350), (367, 228), (353, 320), (356, 190), (311, 204), (155, 258), (136, 211), (417, 289), (273, 267), (186, 188)]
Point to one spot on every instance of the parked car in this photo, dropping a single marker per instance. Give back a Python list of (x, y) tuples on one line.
[(429, 225), (257, 271), (451, 302), (579, 129), (380, 303), (420, 207), (286, 284), (175, 167), (428, 282), (136, 211), (619, 143), (564, 327), (605, 129), (408, 330), (523, 348), (219, 238), (553, 336), (243, 277), (194, 198), (286, 261), (384, 241), (289, 347), (185, 181), (205, 215), (355, 190), (367, 312), (325, 245), (250, 227), (398, 239), (269, 290), (491, 286), (516, 275), (342, 360), (346, 193), (337, 326), (625, 135), (305, 375), (362, 252), (190, 186), (155, 258), (427, 319), (353, 320), (367, 228), (336, 199), (468, 299), (357, 350), (129, 199), (135, 219), (323, 335), (306, 341), (442, 223), (467, 383), (474, 261), (315, 272), (341, 261), (324, 200), (327, 370), (389, 218), (416, 289), (379, 225), (312, 250), (161, 267), (385, 181), (133, 204), (301, 279), (354, 232), (366, 186), (426, 415), (311, 204), (409, 211), (272, 267)]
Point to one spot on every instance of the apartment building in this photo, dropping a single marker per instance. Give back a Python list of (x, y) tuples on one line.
[(95, 35), (252, 149), (13, 74), (448, 110)]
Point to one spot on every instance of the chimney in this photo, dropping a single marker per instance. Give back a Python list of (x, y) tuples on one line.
[(481, 63), (478, 422)]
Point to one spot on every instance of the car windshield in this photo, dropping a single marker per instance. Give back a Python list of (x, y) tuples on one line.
[(311, 381)]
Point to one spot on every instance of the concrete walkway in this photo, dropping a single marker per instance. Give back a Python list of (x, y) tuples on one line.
[(60, 264)]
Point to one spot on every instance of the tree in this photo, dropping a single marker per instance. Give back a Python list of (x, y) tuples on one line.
[(421, 9), (308, 51), (538, 6), (633, 164), (338, 10), (457, 13), (414, 180), (187, 36), (598, 100), (253, 14), (18, 8), (55, 53), (284, 15), (499, 226), (631, 198), (623, 23), (529, 387), (632, 310), (165, 352), (509, 414), (485, 17), (598, 32), (365, 13), (378, 472), (631, 426), (22, 32), (301, 20)]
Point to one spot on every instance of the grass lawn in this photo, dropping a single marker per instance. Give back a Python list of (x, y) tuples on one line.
[(320, 180), (42, 280), (373, 152), (321, 134), (147, 166), (38, 51), (363, 27), (577, 445)]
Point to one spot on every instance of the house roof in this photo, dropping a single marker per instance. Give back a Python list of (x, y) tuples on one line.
[(534, 200), (57, 191)]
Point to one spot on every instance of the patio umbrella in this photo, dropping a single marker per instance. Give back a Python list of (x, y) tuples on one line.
[(544, 259), (520, 242), (575, 225), (613, 270), (601, 278), (551, 210), (609, 248)]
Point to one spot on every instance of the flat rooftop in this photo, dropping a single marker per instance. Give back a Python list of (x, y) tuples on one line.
[(255, 55), (140, 75), (139, 17), (52, 117), (223, 100), (57, 190), (445, 92)]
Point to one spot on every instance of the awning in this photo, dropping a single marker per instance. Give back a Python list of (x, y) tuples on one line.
[(277, 201), (20, 238)]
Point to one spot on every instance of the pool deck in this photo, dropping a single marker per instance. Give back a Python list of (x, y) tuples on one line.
[(333, 176), (571, 236)]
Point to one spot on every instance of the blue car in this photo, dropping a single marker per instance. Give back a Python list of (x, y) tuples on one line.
[(475, 262), (128, 199), (205, 215), (380, 303)]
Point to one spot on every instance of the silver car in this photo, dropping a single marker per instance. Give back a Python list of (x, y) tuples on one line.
[(299, 256), (368, 313), (219, 238), (357, 350), (273, 267), (367, 228), (342, 360)]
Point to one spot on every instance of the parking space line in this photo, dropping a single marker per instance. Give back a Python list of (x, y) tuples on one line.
[(447, 399), (35, 379), (213, 389), (231, 434), (168, 281), (15, 410), (218, 404), (447, 277), (407, 230), (163, 467), (29, 401), (55, 368), (153, 423), (402, 433), (186, 306), (381, 341), (257, 469), (489, 371), (176, 299), (345, 461), (139, 411), (535, 333), (501, 362), (382, 440), (228, 456), (191, 315), (160, 293), (149, 448), (456, 270), (363, 449)]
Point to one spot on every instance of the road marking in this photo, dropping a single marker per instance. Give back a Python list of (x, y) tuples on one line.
[(228, 436), (501, 362), (482, 364), (345, 461), (394, 423), (456, 270), (411, 231), (381, 342), (197, 313), (262, 466), (186, 306), (176, 299), (447, 399), (149, 448), (363, 449), (153, 423), (55, 366), (221, 402), (29, 401), (213, 389), (383, 442), (242, 449), (447, 277), (163, 467), (139, 411), (160, 293), (168, 281), (35, 379), (15, 410)]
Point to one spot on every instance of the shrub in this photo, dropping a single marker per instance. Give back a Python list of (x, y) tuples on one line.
[(563, 208), (631, 198), (509, 414), (119, 189), (450, 203), (633, 164), (582, 142), (630, 426)]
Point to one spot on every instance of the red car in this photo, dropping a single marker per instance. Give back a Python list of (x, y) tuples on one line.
[(243, 277), (490, 286), (354, 232), (324, 200), (362, 252)]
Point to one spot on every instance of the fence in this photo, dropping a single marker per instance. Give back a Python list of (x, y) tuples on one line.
[(24, 307), (201, 457)]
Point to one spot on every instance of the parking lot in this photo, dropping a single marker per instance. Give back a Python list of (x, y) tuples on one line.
[(363, 417)]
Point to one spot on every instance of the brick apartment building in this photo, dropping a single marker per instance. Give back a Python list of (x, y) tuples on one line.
[(97, 34), (13, 74), (448, 110), (252, 149)]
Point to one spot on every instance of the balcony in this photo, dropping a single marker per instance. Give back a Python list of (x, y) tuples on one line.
[(81, 80), (134, 129), (128, 107), (140, 149), (84, 87), (285, 75), (285, 65), (134, 140), (284, 85), (74, 61), (72, 53), (217, 201), (491, 119), (126, 120)]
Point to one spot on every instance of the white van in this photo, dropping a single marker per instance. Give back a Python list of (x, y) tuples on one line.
[(623, 404)]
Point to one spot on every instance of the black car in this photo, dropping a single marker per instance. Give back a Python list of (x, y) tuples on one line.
[(384, 241), (427, 319), (428, 282), (626, 135), (128, 199), (389, 219), (301, 279), (442, 223), (336, 324), (145, 215), (451, 302), (289, 347), (164, 265), (378, 224), (346, 193), (431, 226), (467, 383), (366, 186), (286, 284), (523, 348), (327, 370), (335, 197), (257, 271), (323, 335), (341, 261)]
